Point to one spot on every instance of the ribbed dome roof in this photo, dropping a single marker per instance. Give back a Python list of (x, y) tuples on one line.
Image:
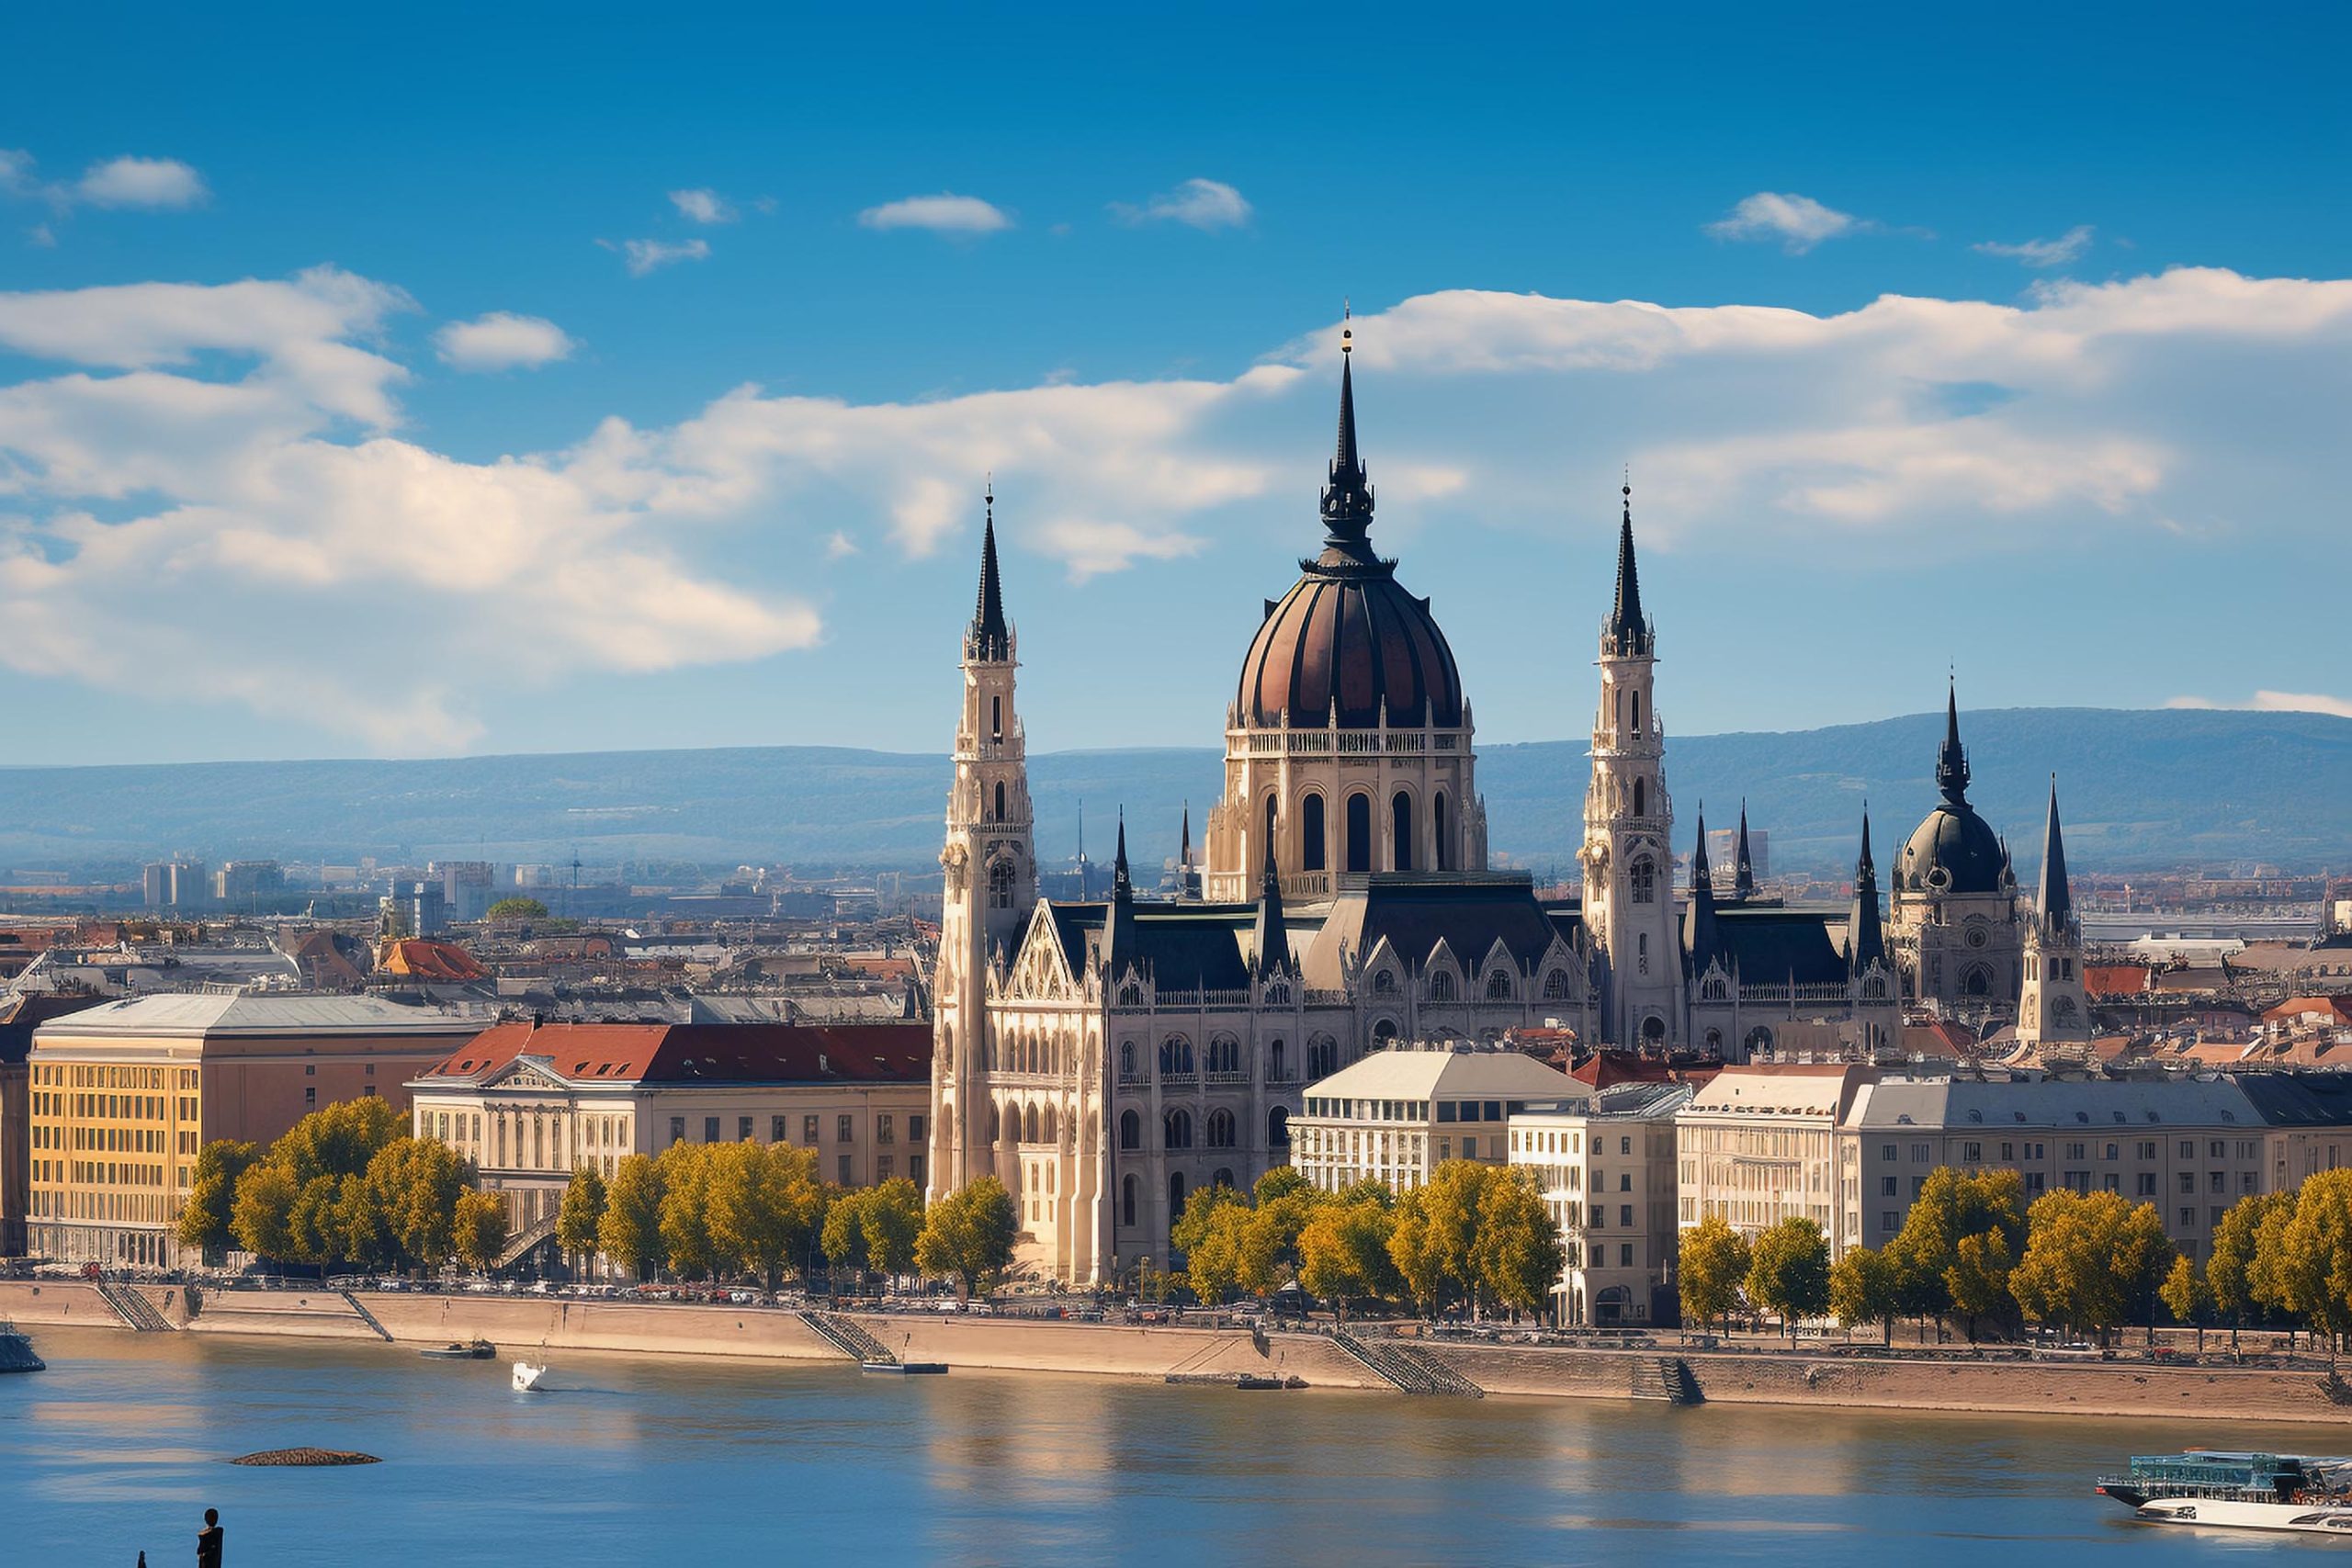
[(1955, 841), (1347, 633)]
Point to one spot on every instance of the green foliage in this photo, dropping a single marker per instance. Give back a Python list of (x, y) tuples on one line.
[(517, 909), (1953, 1206), (576, 1224), (2315, 1267), (685, 1210), (205, 1219), (764, 1204), (891, 1217), (968, 1235), (1281, 1181), (1516, 1254), (1788, 1270), (630, 1232), (1712, 1263), (843, 1237), (261, 1217), (1343, 1252), (2184, 1292), (2230, 1272), (1978, 1279), (479, 1223), (2092, 1261), (316, 1195), (1863, 1289)]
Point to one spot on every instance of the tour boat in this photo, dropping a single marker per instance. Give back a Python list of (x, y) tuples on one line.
[(906, 1368), (2303, 1494), (527, 1375), (17, 1351), (475, 1351)]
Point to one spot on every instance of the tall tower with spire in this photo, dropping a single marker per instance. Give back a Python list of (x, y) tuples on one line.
[(1874, 988), (1956, 924), (1629, 828), (2052, 1009), (990, 869)]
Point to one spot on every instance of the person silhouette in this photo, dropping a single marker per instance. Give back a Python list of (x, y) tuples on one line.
[(207, 1540)]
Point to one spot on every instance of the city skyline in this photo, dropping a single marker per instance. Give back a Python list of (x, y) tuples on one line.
[(562, 431)]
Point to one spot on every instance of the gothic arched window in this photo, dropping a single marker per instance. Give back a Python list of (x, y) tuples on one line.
[(1555, 986), (1641, 789), (1400, 822), (1278, 1128), (1178, 1130), (1175, 1196), (996, 718), (1219, 1129), (1322, 1056), (1641, 877), (1176, 1058), (1000, 801), (1441, 985), (1001, 885), (1359, 832), (1441, 844), (1498, 985), (1310, 833), (1130, 1133), (1128, 1201), (1225, 1054), (1261, 856), (1127, 1058), (1275, 1072)]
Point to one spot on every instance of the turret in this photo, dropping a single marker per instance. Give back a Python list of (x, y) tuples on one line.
[(1865, 938), (1742, 885), (1270, 955)]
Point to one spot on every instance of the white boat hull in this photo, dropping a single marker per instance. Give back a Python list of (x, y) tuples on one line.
[(526, 1376), (2299, 1519)]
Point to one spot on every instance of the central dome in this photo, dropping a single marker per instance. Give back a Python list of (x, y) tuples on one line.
[(1346, 638), (1953, 850)]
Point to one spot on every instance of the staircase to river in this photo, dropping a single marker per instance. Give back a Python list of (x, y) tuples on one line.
[(847, 1336), (1667, 1378), (1406, 1368), (368, 1318), (135, 1310)]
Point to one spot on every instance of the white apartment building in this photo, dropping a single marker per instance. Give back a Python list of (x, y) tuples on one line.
[(1606, 1168), (1394, 1116), (1759, 1145)]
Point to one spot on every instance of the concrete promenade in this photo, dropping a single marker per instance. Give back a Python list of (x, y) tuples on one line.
[(1010, 1344)]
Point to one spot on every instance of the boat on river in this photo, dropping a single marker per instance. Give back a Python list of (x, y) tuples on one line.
[(2298, 1494), (17, 1351), (471, 1350), (527, 1375)]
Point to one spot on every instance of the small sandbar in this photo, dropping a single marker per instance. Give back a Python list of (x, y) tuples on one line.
[(306, 1457)]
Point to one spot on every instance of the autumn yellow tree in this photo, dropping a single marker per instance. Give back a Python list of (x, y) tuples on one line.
[(1712, 1263)]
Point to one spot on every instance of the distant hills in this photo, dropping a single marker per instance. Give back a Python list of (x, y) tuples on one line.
[(2141, 790)]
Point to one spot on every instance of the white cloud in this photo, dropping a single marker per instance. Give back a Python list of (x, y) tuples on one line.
[(2276, 702), (703, 206), (1203, 204), (236, 451), (163, 183), (503, 341), (2067, 247), (641, 256), (840, 547), (943, 214), (17, 173), (1799, 223)]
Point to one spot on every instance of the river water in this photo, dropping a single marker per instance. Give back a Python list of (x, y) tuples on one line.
[(119, 1448)]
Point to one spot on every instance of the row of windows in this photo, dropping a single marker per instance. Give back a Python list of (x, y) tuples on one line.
[(1358, 850), (61, 1075), (1973, 1152), (1222, 1058)]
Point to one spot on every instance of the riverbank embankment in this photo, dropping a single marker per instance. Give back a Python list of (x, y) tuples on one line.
[(1010, 1344)]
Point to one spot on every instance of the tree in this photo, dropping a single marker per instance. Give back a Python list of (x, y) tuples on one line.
[(891, 1217), (1713, 1260), (1978, 1279), (517, 909), (1343, 1253), (685, 1210), (583, 1211), (2229, 1272), (1862, 1289), (414, 1183), (2318, 1252), (1209, 1234), (1281, 1181), (2090, 1259), (205, 1218), (479, 1226), (842, 1238), (630, 1232), (1788, 1270), (1951, 1207), (2186, 1297), (761, 1204), (1437, 1225), (968, 1235), (1517, 1256), (262, 1215)]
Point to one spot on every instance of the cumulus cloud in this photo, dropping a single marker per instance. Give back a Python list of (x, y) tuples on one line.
[(163, 183), (2067, 247), (703, 206), (1799, 223), (1203, 204), (641, 256), (2276, 702), (237, 452), (945, 213), (502, 340)]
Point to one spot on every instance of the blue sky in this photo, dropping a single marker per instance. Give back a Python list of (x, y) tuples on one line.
[(2016, 342)]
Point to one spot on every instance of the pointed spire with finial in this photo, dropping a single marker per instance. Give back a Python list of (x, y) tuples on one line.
[(1743, 883), (1184, 855), (991, 637), (1346, 499), (1121, 886), (1272, 935), (1628, 631), (1952, 758), (2056, 897), (1118, 949), (1700, 940), (1865, 938)]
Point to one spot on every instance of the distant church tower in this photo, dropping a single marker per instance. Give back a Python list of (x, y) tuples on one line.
[(2052, 1009), (1628, 829), (992, 883)]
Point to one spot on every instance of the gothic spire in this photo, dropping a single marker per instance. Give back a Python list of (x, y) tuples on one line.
[(1952, 760), (1628, 630), (1184, 857), (1743, 869), (1272, 936), (1122, 889), (1118, 948), (1700, 940), (2057, 899), (989, 638), (1346, 499), (1865, 940)]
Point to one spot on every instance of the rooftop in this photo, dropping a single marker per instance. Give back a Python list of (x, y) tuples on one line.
[(188, 1015), (1448, 1075)]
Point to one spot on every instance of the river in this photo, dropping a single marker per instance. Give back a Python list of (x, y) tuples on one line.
[(119, 1448)]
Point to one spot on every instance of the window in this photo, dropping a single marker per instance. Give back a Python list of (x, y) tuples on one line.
[(2188, 1181), (809, 1131), (1400, 824), (2188, 1219), (1130, 1130), (1641, 877), (1001, 885), (1498, 985), (1310, 833), (2147, 1184), (2218, 1182), (842, 1172), (2218, 1148), (311, 1094), (1359, 832), (710, 1129), (775, 1129), (1219, 1129), (677, 1129), (311, 1070), (1555, 986), (1888, 1153), (1920, 1153), (1624, 1255), (1972, 1154), (1175, 1058), (1888, 1220), (1175, 1195), (1469, 1148), (1441, 985), (742, 1129), (886, 1129), (844, 1130), (883, 1168), (1278, 1128), (915, 1170), (1177, 1129), (1441, 848), (1128, 1201), (1888, 1187)]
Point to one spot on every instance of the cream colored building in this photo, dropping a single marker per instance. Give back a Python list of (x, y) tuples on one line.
[(1396, 1115), (124, 1095), (529, 1103), (1606, 1168), (1759, 1145)]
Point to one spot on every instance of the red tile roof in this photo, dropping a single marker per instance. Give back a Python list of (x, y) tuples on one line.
[(704, 1052)]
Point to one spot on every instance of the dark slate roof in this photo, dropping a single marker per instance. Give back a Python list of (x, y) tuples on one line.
[(1415, 910), (1766, 946), (1185, 947), (2057, 899), (991, 637), (2300, 1100), (1628, 630)]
